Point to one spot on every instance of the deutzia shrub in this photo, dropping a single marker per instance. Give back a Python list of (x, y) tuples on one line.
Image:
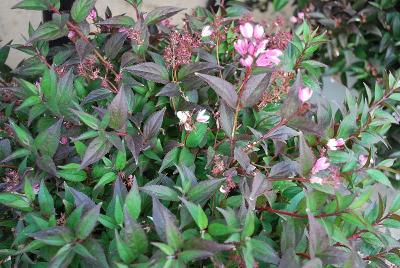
[(208, 143)]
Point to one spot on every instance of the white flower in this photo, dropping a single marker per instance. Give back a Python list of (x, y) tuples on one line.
[(183, 116), (333, 144), (207, 31), (305, 94), (202, 117), (315, 179), (222, 189)]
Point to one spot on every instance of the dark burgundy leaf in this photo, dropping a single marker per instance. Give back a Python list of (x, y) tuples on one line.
[(254, 89), (150, 71), (223, 88), (161, 13), (153, 124)]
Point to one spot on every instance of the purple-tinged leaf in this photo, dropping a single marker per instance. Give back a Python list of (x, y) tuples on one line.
[(204, 190), (306, 158), (81, 8), (223, 88), (317, 236), (226, 118), (169, 90), (194, 67), (283, 133), (289, 259), (55, 236), (313, 263), (258, 187), (201, 244), (161, 215), (48, 140), (254, 89), (96, 95), (95, 151), (46, 163), (284, 169), (150, 71), (88, 222), (304, 124), (161, 13), (135, 145), (243, 159), (114, 45), (118, 110), (153, 124), (264, 252), (62, 258)]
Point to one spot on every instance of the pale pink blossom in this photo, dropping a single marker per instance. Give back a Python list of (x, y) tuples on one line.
[(207, 31), (71, 35), (305, 94), (247, 62), (260, 48), (315, 179), (362, 159), (321, 164), (185, 119), (241, 46), (246, 30), (300, 15), (333, 144), (258, 31), (293, 19), (269, 58), (202, 117)]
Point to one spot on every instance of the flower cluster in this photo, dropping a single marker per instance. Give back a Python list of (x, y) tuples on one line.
[(252, 46), (179, 51)]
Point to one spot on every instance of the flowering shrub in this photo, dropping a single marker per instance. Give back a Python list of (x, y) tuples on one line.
[(145, 144)]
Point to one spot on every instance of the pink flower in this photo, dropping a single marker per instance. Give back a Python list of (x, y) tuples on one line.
[(71, 35), (362, 159), (36, 188), (333, 144), (241, 46), (269, 58), (202, 117), (207, 31), (251, 49), (315, 179), (247, 62), (92, 15), (305, 94), (300, 15), (258, 31), (246, 30), (321, 164)]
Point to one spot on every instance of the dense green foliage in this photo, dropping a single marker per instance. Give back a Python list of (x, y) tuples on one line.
[(144, 144)]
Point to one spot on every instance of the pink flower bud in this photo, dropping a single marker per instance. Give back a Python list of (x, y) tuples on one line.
[(207, 31), (321, 164), (92, 15), (247, 62), (241, 46), (315, 179), (333, 144), (251, 49), (246, 30), (269, 58), (300, 15), (293, 19), (258, 31), (305, 94), (202, 117)]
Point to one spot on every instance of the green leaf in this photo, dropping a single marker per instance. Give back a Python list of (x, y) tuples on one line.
[(46, 201), (204, 190), (378, 176), (395, 96), (16, 201), (118, 110), (88, 119), (347, 126), (362, 199), (71, 172), (248, 228), (30, 101), (63, 257), (279, 4), (197, 135), (133, 201), (88, 222), (31, 5), (81, 8), (134, 236), (47, 31), (24, 138), (104, 180), (124, 251), (395, 204), (197, 213), (47, 141)]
